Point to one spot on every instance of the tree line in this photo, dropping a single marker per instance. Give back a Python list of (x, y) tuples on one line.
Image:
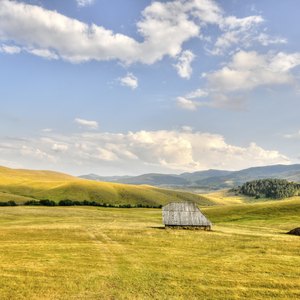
[(67, 202), (269, 188)]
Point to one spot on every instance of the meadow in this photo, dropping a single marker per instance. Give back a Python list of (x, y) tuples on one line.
[(111, 253)]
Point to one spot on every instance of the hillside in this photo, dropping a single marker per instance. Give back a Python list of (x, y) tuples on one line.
[(209, 179), (23, 185), (269, 188), (282, 212)]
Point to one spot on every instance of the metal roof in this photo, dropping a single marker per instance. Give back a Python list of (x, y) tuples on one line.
[(183, 214)]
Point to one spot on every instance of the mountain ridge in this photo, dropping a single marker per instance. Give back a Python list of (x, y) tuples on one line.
[(210, 179)]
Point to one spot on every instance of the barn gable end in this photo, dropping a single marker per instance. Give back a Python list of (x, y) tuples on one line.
[(184, 214)]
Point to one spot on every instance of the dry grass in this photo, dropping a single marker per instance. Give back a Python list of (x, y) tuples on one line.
[(101, 253), (21, 185)]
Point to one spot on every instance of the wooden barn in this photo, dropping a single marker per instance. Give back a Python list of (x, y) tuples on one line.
[(184, 215)]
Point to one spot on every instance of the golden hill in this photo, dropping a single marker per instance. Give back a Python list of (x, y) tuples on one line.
[(23, 185)]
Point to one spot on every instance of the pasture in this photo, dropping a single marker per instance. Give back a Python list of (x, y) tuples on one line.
[(110, 253)]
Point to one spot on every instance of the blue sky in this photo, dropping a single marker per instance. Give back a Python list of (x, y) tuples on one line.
[(129, 87)]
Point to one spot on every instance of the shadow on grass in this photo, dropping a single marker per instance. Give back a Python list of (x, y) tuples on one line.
[(157, 227), (179, 228)]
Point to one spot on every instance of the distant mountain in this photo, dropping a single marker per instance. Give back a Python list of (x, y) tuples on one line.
[(156, 179), (209, 179), (201, 175), (289, 172), (103, 178)]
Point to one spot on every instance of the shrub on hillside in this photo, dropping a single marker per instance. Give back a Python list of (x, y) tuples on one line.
[(47, 202), (32, 203), (67, 202), (8, 203)]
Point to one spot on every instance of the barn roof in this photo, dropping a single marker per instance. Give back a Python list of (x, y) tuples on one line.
[(183, 214)]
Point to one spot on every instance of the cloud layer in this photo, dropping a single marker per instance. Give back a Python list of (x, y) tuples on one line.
[(136, 152)]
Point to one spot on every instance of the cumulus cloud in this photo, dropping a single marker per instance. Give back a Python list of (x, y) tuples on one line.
[(163, 27), (86, 123), (130, 81), (183, 65), (247, 71), (137, 152)]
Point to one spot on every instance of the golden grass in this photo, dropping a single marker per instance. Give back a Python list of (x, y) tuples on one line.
[(24, 184), (225, 197), (102, 253)]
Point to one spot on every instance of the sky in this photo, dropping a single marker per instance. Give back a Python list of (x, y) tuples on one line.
[(135, 86)]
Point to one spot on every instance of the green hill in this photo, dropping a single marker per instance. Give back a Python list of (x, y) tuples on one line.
[(24, 185), (263, 213), (269, 188)]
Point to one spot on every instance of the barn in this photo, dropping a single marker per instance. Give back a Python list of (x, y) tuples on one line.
[(184, 215)]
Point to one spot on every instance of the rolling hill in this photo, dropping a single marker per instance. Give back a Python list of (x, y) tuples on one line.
[(209, 179), (24, 185)]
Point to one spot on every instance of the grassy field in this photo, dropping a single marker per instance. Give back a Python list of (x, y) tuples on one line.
[(109, 253), (225, 197), (23, 185)]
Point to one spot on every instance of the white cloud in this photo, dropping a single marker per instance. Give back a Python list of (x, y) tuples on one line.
[(86, 123), (199, 93), (136, 152), (130, 81), (9, 49), (267, 40), (247, 71), (60, 147), (242, 33), (83, 3), (187, 128), (37, 154), (163, 27), (191, 100), (237, 31), (44, 53), (187, 103), (183, 65), (107, 155)]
